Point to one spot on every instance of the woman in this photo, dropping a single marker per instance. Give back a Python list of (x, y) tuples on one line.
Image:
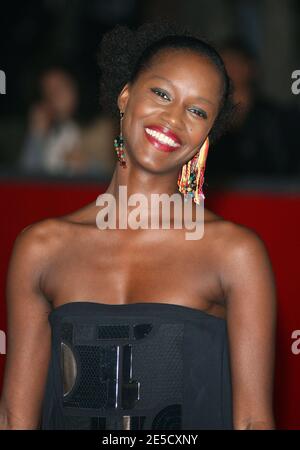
[(150, 330)]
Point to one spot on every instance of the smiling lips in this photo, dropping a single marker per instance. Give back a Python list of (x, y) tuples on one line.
[(162, 138)]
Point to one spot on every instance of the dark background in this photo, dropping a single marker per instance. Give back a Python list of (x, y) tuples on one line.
[(36, 34)]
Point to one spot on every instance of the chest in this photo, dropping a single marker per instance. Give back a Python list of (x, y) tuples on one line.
[(129, 266)]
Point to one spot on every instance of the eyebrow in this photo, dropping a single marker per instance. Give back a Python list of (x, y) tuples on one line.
[(169, 81)]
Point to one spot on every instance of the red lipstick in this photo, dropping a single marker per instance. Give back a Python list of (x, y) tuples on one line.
[(163, 146)]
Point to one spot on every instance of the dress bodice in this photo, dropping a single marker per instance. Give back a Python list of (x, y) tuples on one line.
[(137, 366)]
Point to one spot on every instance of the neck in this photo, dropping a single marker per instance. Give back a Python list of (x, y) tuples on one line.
[(139, 181)]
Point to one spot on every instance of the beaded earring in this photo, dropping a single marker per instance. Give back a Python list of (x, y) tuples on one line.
[(119, 145), (191, 177)]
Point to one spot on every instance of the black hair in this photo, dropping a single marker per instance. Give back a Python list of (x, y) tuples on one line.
[(125, 53)]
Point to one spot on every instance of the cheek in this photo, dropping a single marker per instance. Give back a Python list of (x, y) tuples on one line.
[(196, 132), (134, 124), (142, 106), (137, 114)]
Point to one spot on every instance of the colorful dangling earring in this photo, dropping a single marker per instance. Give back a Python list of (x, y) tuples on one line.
[(191, 177), (119, 145)]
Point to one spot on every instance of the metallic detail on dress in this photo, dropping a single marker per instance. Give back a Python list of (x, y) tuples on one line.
[(69, 368), (117, 375), (97, 385), (126, 423), (130, 387), (136, 383)]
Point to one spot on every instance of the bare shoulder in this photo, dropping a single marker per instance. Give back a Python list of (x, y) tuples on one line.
[(47, 237), (30, 257), (242, 256), (36, 242), (236, 246), (41, 233), (231, 235), (240, 239)]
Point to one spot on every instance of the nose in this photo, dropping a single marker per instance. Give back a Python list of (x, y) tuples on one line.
[(173, 115)]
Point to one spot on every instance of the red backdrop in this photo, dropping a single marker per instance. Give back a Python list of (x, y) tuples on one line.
[(274, 217)]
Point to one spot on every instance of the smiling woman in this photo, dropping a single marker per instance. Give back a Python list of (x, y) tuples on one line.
[(164, 69), (131, 328), (124, 54)]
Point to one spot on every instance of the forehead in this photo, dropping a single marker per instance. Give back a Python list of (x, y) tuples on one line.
[(186, 68)]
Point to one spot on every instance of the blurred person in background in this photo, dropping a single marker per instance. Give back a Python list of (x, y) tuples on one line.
[(262, 139), (52, 140), (95, 147)]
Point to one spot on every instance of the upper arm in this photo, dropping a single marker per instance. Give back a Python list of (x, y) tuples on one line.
[(250, 288), (28, 332)]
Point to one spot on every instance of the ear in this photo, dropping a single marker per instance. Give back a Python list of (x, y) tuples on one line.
[(123, 97)]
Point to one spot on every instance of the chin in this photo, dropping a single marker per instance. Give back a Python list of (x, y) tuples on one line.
[(156, 164), (148, 156)]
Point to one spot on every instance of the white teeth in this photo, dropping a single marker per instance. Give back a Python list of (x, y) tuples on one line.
[(162, 138)]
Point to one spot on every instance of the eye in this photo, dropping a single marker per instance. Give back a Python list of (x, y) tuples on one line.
[(160, 93), (199, 112)]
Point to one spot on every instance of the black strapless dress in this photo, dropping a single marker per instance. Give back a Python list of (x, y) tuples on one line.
[(150, 366)]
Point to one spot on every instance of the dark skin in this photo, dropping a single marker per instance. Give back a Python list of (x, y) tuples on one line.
[(226, 273)]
